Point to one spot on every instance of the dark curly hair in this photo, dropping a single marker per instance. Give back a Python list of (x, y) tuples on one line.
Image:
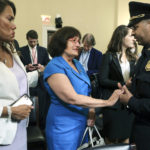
[(58, 41)]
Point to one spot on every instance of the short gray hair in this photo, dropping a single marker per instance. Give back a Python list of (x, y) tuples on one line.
[(89, 39)]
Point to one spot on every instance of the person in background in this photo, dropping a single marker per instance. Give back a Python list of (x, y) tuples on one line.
[(138, 100), (33, 56), (16, 44), (133, 51), (69, 87), (90, 57), (14, 82), (117, 66)]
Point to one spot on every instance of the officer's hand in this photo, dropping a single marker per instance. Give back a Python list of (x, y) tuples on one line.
[(124, 97)]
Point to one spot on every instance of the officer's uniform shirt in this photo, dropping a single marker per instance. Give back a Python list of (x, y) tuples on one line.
[(141, 85), (140, 102)]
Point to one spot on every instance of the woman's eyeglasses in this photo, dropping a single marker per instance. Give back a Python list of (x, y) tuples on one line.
[(75, 41)]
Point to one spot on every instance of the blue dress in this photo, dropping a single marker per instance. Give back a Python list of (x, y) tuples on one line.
[(66, 123)]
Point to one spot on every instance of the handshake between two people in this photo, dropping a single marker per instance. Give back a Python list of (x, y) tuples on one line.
[(125, 96), (122, 94)]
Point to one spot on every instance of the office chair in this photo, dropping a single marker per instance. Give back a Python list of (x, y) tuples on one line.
[(35, 137)]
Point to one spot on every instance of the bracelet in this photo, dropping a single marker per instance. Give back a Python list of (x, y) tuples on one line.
[(9, 112)]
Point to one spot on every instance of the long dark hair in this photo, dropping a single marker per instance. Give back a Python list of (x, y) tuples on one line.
[(3, 5), (116, 42)]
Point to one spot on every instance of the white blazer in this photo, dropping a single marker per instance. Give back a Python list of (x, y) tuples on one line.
[(9, 92)]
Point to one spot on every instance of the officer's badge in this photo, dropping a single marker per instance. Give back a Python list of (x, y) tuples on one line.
[(147, 67)]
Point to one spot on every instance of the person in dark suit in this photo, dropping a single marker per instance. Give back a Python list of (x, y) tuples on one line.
[(90, 57), (40, 57), (34, 56), (16, 44), (139, 100), (117, 66)]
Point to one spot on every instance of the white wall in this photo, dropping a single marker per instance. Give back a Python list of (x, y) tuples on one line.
[(99, 17)]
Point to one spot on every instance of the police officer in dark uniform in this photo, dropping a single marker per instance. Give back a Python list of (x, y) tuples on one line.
[(139, 101)]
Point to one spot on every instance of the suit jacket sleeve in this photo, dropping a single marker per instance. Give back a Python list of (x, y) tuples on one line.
[(140, 106), (25, 55), (94, 65), (105, 71), (46, 57), (140, 102), (32, 78)]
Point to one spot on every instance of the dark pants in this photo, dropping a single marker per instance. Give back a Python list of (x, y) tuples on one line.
[(44, 101), (141, 137)]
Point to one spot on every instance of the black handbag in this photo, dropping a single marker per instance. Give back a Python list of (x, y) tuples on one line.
[(93, 141), (94, 78)]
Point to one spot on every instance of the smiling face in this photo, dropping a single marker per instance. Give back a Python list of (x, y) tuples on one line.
[(72, 49), (128, 41), (7, 26), (141, 32)]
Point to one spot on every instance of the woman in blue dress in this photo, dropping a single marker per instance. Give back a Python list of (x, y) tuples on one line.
[(69, 88)]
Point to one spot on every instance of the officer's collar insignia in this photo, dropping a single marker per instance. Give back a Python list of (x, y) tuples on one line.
[(147, 67)]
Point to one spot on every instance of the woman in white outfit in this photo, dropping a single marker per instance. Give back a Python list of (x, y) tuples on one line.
[(14, 82)]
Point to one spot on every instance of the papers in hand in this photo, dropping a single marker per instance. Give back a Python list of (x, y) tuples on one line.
[(23, 100)]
